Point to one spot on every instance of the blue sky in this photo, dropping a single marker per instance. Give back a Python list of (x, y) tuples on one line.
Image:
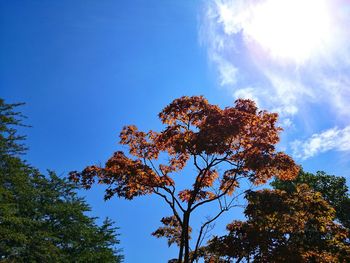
[(87, 68)]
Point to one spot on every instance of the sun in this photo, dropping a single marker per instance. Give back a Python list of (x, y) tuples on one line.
[(292, 30)]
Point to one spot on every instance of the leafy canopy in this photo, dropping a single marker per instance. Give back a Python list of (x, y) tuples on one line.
[(333, 189), (223, 145), (10, 141), (283, 227), (239, 136)]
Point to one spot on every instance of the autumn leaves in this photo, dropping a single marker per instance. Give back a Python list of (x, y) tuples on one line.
[(238, 141)]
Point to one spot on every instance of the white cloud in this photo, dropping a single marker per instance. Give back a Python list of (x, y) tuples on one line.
[(260, 67), (287, 123), (247, 93), (229, 29), (332, 139), (228, 72), (337, 89)]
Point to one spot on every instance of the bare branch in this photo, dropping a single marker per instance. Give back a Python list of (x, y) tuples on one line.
[(216, 197), (198, 242), (174, 199), (171, 204)]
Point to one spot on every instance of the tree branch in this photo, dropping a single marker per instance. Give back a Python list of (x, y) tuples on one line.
[(216, 197), (201, 231), (171, 204)]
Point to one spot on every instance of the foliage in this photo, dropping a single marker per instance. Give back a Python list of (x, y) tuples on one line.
[(284, 227), (41, 218), (171, 230), (10, 141), (238, 141), (333, 189)]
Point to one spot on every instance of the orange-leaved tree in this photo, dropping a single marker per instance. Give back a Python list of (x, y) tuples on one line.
[(223, 145), (283, 227)]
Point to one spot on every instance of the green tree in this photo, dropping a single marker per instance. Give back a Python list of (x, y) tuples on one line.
[(333, 189), (10, 141), (42, 219)]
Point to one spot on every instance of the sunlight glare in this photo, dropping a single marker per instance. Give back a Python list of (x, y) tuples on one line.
[(290, 29)]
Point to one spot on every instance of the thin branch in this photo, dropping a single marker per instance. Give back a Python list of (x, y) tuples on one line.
[(171, 192), (154, 168), (201, 232), (206, 231), (174, 199), (195, 162), (216, 197), (171, 206)]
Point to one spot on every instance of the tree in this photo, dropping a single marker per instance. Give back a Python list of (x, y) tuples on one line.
[(333, 189), (224, 145), (10, 141), (41, 217), (283, 227)]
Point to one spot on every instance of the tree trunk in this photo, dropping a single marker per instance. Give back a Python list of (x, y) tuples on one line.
[(181, 251), (186, 221), (184, 252)]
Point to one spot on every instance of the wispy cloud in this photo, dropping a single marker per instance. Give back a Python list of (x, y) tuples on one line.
[(332, 139), (228, 72), (257, 66), (247, 93)]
